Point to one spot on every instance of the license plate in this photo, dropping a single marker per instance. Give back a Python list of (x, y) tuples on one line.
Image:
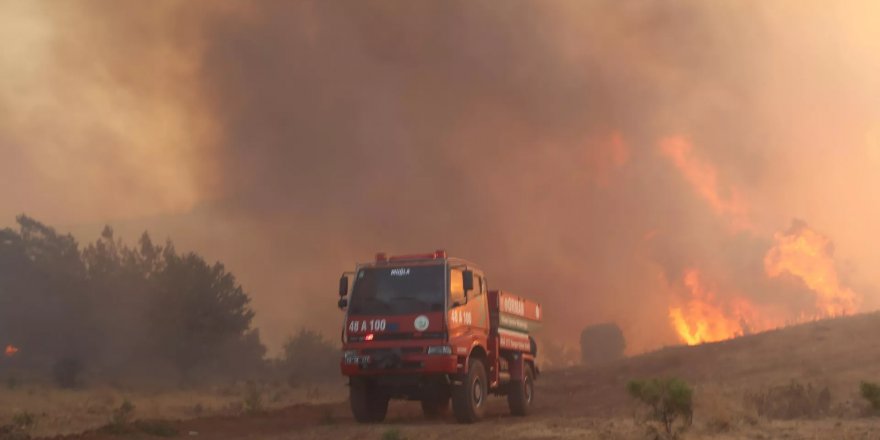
[(357, 360)]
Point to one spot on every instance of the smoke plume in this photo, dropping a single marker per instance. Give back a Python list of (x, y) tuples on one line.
[(606, 158)]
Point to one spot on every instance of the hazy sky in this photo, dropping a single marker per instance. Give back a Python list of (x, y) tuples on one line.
[(615, 160)]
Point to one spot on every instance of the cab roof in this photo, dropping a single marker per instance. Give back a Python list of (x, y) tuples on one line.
[(437, 257)]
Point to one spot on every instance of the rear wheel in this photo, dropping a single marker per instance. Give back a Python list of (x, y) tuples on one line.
[(521, 392), (369, 403), (469, 398), (435, 407)]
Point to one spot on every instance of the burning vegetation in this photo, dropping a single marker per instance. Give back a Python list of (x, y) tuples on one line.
[(634, 163), (800, 255), (704, 318), (808, 256)]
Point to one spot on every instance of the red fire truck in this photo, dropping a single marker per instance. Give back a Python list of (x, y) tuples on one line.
[(426, 327)]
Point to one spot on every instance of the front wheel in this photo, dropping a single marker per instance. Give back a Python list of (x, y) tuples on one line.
[(469, 398), (521, 392), (369, 403)]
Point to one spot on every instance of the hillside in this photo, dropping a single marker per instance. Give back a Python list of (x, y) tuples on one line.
[(836, 353)]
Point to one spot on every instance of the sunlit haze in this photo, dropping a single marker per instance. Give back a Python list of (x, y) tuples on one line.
[(692, 171)]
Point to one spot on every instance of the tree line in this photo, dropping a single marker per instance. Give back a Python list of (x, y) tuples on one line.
[(148, 311), (116, 311)]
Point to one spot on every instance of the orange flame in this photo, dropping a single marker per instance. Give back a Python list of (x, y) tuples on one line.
[(11, 350), (703, 177), (801, 252), (703, 320), (808, 255)]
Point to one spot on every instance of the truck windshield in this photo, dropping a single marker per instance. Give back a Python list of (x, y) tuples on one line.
[(398, 290)]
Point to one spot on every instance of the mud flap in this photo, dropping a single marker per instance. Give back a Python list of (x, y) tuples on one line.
[(516, 367)]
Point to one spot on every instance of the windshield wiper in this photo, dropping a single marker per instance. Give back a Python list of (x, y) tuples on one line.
[(368, 305), (410, 298), (430, 305)]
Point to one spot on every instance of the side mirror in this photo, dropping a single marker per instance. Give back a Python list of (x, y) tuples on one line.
[(343, 285), (343, 303), (468, 281)]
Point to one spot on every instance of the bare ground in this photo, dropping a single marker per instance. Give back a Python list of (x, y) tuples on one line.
[(591, 403)]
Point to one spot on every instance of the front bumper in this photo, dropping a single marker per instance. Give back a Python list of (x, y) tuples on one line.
[(394, 363)]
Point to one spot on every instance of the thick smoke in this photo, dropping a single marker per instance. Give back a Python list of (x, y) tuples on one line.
[(290, 139)]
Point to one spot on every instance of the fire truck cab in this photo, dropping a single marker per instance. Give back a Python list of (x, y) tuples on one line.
[(426, 327)]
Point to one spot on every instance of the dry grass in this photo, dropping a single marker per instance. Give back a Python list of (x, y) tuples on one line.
[(554, 427), (60, 411), (588, 403), (809, 373)]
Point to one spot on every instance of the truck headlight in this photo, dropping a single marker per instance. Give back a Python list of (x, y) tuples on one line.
[(439, 349)]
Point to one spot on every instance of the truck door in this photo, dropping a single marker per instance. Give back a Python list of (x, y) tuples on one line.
[(480, 306), (468, 315)]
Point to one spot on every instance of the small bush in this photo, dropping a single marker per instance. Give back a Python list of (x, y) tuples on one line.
[(198, 409), (120, 419), (669, 399), (23, 422), (791, 401), (871, 392), (278, 395), (253, 399), (122, 416), (392, 434), (156, 428), (308, 357)]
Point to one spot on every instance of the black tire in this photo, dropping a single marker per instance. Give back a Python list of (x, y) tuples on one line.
[(469, 398), (521, 392), (369, 403), (434, 408)]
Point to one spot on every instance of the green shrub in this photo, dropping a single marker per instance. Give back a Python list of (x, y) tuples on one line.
[(871, 392), (308, 357), (121, 417), (278, 395), (253, 399), (23, 421), (392, 434), (156, 428), (669, 399)]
